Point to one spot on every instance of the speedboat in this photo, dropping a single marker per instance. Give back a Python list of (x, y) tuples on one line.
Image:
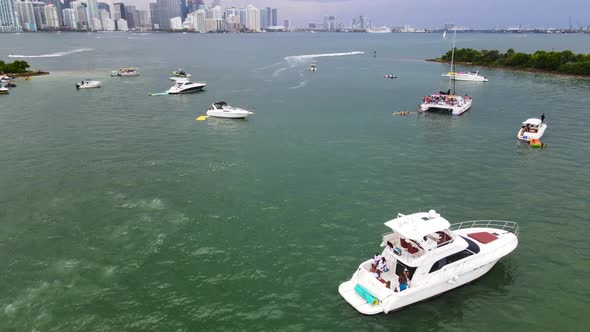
[(472, 76), (223, 110), (425, 256), (531, 129), (390, 76), (185, 86), (446, 102), (88, 84), (129, 71), (313, 67), (3, 90)]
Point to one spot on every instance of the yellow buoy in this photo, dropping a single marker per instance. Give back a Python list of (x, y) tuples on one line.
[(202, 118)]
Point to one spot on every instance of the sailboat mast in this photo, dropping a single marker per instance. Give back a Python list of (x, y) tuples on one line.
[(451, 80)]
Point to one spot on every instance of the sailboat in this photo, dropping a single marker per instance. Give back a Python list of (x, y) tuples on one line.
[(447, 101), (445, 34)]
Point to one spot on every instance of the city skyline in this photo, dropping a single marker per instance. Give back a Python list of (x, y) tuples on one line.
[(426, 13)]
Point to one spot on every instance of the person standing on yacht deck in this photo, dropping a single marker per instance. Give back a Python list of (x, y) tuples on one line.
[(404, 280), (382, 266), (376, 258)]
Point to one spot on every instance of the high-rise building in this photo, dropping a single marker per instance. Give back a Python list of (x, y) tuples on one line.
[(331, 24), (105, 6), (168, 9), (233, 11), (252, 18), (132, 17), (119, 11), (217, 13), (51, 16), (263, 18), (144, 20), (70, 18), (108, 24), (39, 12), (194, 5), (243, 16), (58, 6), (183, 9), (81, 15), (287, 24), (26, 15), (155, 16), (93, 16), (8, 19), (275, 17), (362, 22), (200, 20)]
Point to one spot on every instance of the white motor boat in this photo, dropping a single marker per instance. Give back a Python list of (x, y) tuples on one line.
[(3, 90), (88, 84), (129, 71), (472, 76), (425, 256), (184, 86), (445, 102), (223, 110), (531, 129)]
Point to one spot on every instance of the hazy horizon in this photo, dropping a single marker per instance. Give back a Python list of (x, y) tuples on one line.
[(426, 13)]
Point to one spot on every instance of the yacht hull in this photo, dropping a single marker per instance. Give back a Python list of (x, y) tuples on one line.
[(453, 110), (186, 91), (229, 115)]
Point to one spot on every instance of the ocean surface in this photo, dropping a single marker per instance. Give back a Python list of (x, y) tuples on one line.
[(120, 212)]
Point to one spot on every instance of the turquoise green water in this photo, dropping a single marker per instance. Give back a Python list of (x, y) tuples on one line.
[(120, 212)]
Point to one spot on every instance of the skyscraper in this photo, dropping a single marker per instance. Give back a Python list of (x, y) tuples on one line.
[(26, 15), (263, 18), (8, 20), (119, 11), (51, 16), (287, 24), (252, 18), (155, 16), (92, 7), (132, 17), (39, 12), (168, 9), (275, 17), (70, 18)]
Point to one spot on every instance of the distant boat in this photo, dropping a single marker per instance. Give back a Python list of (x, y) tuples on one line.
[(445, 34), (379, 30)]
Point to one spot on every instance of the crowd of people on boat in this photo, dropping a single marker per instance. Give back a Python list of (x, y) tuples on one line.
[(445, 99), (379, 266)]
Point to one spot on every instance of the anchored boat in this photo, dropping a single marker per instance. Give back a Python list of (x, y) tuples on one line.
[(531, 129), (223, 110), (425, 256)]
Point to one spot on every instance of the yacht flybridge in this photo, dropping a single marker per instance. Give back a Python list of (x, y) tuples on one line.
[(425, 256)]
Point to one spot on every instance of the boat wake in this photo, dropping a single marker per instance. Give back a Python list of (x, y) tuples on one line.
[(294, 60), (52, 55)]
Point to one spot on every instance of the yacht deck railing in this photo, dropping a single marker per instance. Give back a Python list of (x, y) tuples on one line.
[(509, 226)]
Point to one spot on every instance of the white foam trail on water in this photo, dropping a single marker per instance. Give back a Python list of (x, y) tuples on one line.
[(300, 85), (294, 60), (52, 55), (304, 58)]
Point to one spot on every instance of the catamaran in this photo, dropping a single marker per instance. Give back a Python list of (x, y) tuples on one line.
[(447, 101), (470, 76)]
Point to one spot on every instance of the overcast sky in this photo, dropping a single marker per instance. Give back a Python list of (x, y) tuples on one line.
[(426, 13)]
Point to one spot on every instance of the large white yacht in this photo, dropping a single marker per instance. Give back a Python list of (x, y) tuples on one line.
[(223, 110), (531, 129), (436, 255), (379, 30), (471, 76), (185, 86)]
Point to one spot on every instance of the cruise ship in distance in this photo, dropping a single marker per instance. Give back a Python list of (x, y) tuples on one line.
[(379, 30)]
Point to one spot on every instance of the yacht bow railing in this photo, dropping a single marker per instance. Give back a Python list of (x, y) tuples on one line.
[(509, 226)]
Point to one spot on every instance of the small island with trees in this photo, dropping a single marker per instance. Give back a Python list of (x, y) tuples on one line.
[(19, 69), (562, 63)]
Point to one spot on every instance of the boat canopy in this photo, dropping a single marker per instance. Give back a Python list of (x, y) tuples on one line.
[(418, 225), (220, 104), (533, 121)]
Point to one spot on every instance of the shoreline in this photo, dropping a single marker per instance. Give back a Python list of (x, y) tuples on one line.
[(524, 70), (28, 74)]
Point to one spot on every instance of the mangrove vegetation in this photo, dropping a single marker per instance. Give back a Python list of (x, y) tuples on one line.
[(564, 62)]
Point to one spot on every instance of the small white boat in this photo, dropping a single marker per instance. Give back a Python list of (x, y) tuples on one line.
[(426, 256), (223, 110), (3, 90), (472, 76), (184, 86), (445, 102), (531, 129), (129, 71), (88, 84), (313, 67)]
